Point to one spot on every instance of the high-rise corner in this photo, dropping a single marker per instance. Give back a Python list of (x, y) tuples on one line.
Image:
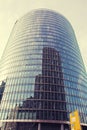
[(43, 74)]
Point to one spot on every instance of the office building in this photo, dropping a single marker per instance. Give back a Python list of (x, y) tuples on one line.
[(44, 74)]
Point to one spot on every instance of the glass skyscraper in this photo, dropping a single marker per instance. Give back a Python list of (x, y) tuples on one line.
[(42, 74)]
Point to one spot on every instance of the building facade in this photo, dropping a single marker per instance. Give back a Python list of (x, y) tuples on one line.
[(44, 74)]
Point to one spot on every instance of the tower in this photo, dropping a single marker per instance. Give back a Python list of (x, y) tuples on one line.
[(44, 73)]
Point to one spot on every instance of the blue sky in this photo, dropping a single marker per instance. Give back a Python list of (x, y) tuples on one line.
[(74, 10)]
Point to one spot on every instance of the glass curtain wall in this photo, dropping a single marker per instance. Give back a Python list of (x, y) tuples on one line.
[(43, 71)]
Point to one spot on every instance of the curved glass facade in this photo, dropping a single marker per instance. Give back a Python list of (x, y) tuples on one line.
[(43, 72)]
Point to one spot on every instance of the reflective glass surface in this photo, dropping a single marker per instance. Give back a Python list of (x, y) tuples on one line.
[(43, 70)]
